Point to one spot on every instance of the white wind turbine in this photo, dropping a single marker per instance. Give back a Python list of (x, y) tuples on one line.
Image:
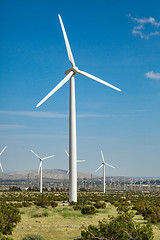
[(40, 167), (1, 154), (77, 160), (72, 114), (103, 165)]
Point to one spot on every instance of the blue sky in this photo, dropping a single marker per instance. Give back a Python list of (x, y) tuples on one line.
[(117, 41)]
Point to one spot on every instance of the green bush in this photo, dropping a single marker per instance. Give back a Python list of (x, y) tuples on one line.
[(5, 238), (53, 204), (26, 204), (122, 209), (42, 202), (40, 214), (99, 205), (121, 227), (88, 210), (45, 214), (72, 203), (152, 214), (9, 217), (78, 206), (33, 237), (22, 212), (149, 211)]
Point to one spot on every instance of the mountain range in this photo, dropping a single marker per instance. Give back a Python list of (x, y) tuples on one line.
[(50, 174)]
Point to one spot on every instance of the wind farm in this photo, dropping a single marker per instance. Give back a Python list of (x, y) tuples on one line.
[(109, 173)]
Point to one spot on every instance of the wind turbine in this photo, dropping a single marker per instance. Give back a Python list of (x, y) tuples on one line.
[(103, 165), (40, 167), (77, 160), (1, 154), (70, 73)]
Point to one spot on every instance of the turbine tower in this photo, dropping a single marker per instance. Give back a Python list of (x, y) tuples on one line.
[(40, 167), (70, 73), (1, 154), (103, 165)]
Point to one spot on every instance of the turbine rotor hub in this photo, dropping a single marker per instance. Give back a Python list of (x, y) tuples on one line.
[(74, 69)]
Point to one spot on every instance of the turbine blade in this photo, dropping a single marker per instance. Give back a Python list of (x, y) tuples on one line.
[(98, 80), (3, 150), (59, 85), (35, 154), (1, 167), (99, 168), (67, 153), (70, 56), (77, 160), (102, 156), (109, 165), (47, 157)]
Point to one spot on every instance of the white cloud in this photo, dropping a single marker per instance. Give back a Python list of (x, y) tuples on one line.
[(10, 126), (140, 29), (35, 114), (53, 114), (146, 20), (153, 75)]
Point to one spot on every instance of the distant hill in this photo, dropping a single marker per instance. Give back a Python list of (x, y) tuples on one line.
[(49, 174)]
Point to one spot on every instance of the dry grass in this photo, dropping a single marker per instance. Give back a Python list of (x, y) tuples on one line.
[(156, 230), (63, 223)]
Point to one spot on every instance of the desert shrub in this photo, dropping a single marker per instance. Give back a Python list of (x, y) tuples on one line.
[(149, 211), (116, 203), (9, 217), (120, 227), (5, 237), (26, 204), (72, 203), (40, 214), (122, 209), (22, 212), (33, 237), (45, 214), (17, 205), (82, 200), (140, 206), (14, 189), (88, 210), (78, 206), (36, 215), (54, 204), (99, 205), (152, 214), (42, 202)]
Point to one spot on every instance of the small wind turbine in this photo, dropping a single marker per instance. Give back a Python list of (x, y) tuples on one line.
[(1, 154), (77, 160), (40, 167), (72, 114), (103, 165)]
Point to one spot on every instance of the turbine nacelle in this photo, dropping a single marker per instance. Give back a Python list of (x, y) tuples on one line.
[(74, 69)]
